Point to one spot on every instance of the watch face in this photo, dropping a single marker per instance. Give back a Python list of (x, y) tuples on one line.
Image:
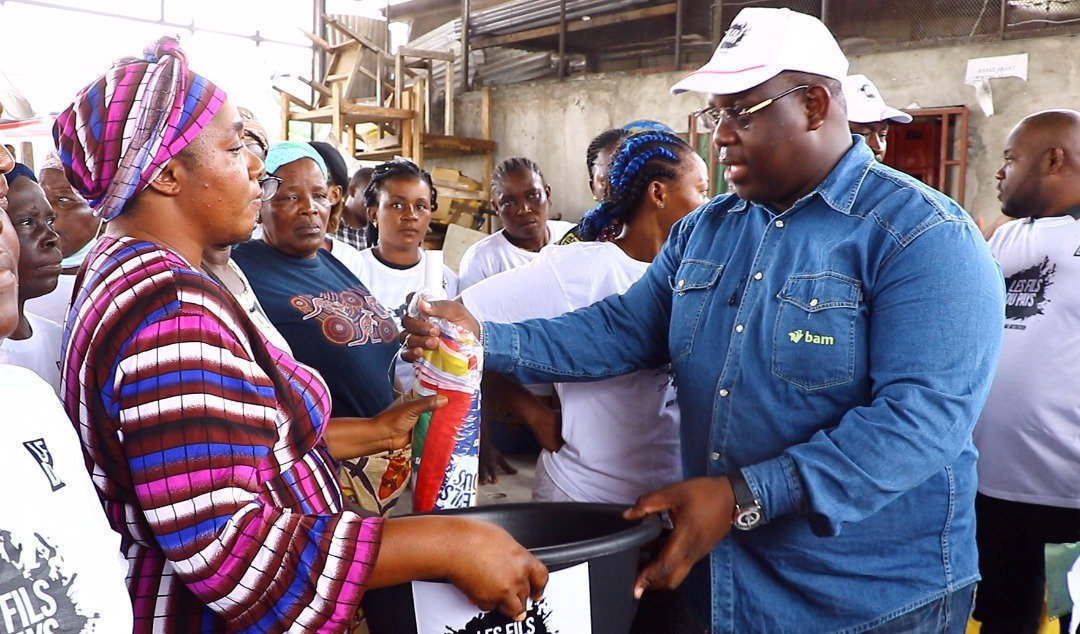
[(748, 518)]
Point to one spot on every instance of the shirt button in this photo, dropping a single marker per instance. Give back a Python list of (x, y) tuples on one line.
[(779, 224), (758, 275), (682, 283), (724, 392), (714, 455), (814, 302), (739, 328)]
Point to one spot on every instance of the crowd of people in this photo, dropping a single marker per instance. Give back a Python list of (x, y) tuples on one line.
[(204, 345)]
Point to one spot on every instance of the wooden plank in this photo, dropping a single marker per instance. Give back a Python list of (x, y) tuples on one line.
[(317, 41), (294, 99), (426, 54), (448, 107), (419, 127), (336, 121), (353, 34), (319, 87), (286, 99), (355, 113), (576, 25)]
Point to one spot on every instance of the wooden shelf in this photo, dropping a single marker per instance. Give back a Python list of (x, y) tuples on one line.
[(435, 146)]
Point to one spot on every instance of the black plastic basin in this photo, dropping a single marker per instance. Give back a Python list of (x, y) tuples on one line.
[(561, 534)]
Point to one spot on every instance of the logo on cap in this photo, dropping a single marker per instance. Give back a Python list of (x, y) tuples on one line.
[(867, 89), (734, 35)]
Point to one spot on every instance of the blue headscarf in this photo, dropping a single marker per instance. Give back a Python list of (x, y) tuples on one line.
[(285, 152)]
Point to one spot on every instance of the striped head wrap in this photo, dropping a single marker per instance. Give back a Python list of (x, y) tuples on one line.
[(125, 126)]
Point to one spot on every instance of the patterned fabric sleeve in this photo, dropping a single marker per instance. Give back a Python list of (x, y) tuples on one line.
[(239, 498)]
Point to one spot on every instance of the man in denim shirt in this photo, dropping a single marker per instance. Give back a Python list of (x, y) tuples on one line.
[(833, 327)]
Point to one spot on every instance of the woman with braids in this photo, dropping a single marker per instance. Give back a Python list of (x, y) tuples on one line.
[(522, 200), (212, 450), (619, 437), (399, 198)]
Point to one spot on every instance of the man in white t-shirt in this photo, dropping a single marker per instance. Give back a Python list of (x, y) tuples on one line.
[(35, 343), (1027, 435), (523, 202), (61, 569)]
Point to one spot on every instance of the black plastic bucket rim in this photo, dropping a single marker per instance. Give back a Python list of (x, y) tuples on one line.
[(635, 536)]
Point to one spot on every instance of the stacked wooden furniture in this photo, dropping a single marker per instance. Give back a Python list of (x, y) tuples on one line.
[(375, 118)]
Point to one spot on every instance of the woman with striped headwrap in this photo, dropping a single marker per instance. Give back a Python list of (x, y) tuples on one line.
[(213, 450)]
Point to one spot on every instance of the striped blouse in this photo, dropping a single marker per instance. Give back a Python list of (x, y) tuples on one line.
[(205, 444)]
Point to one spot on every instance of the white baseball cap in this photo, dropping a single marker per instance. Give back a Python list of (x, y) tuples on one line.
[(865, 105), (760, 44)]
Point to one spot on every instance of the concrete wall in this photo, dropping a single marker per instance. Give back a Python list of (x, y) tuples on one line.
[(552, 122)]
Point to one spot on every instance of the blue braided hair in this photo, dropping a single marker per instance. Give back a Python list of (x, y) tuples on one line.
[(640, 159)]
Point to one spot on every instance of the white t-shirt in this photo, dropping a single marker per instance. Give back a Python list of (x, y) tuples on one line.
[(348, 255), (622, 433), (54, 306), (1028, 435), (392, 286), (61, 569), (494, 254), (39, 353)]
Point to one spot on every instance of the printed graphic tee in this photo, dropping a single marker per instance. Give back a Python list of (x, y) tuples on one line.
[(1028, 432), (61, 570), (331, 321), (334, 324)]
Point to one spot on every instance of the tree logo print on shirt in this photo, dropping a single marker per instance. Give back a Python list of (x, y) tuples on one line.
[(349, 318), (1025, 291), (805, 336), (41, 453), (35, 592)]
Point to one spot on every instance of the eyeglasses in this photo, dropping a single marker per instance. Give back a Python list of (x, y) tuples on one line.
[(269, 186), (710, 117)]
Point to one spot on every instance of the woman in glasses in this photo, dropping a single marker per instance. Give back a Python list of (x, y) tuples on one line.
[(213, 450)]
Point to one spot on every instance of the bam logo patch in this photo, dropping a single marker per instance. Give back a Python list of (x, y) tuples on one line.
[(805, 336)]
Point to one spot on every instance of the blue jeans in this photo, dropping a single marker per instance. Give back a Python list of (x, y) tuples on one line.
[(947, 615)]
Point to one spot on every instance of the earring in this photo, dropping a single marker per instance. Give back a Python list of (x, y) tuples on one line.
[(660, 204)]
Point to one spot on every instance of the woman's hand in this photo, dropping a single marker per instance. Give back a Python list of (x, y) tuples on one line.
[(420, 334), (497, 573), (481, 559), (391, 429)]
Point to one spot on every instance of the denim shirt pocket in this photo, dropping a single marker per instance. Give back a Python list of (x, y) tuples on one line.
[(814, 336), (692, 285)]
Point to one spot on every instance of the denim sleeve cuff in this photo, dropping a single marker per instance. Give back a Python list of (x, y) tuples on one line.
[(777, 486), (501, 346)]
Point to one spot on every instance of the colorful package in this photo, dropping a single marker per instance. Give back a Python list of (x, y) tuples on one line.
[(446, 442)]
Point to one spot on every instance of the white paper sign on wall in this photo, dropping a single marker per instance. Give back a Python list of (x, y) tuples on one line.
[(981, 70), (565, 608)]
